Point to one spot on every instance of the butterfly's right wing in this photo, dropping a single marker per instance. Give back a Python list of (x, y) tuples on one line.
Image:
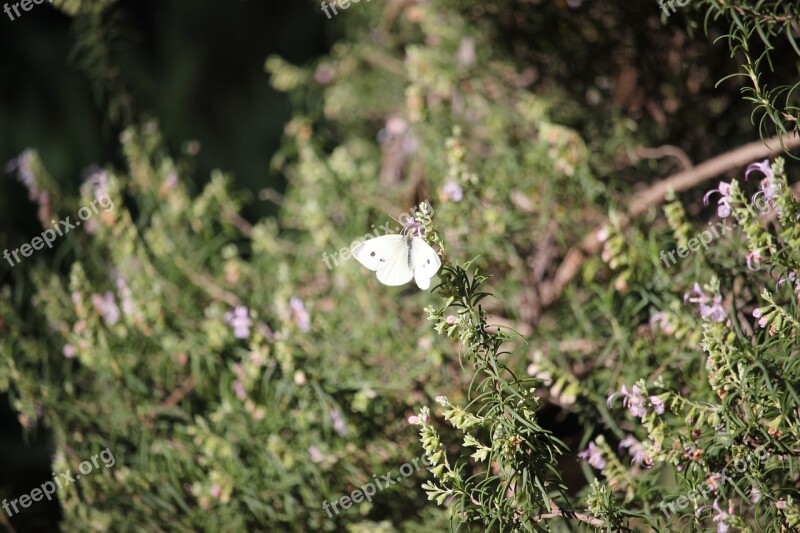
[(387, 255), (425, 261)]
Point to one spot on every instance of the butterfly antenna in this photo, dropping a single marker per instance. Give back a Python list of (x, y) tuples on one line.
[(399, 224)]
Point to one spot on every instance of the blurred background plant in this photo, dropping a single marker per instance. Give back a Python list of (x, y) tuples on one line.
[(196, 331)]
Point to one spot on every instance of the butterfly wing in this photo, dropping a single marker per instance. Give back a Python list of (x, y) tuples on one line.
[(425, 262), (387, 255)]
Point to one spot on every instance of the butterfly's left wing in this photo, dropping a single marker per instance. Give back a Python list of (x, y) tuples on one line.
[(387, 255), (425, 262)]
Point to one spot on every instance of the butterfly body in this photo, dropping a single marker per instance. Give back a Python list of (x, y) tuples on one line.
[(397, 259)]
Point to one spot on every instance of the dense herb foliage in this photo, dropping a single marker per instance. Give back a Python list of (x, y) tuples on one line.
[(605, 346)]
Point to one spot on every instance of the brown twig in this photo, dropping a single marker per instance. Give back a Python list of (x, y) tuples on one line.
[(6, 522), (178, 394), (170, 401), (666, 150), (558, 513), (241, 224), (270, 194), (207, 284), (654, 195)]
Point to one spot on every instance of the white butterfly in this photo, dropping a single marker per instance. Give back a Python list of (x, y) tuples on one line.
[(398, 258)]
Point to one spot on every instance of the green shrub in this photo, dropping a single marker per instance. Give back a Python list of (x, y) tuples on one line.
[(247, 375)]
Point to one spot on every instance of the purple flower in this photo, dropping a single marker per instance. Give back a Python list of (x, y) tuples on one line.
[(338, 423), (238, 384), (724, 203), (636, 450), (657, 404), (769, 191), (22, 166), (466, 51), (633, 400), (171, 181), (763, 167), (594, 456), (125, 295), (324, 74), (299, 314), (398, 133), (629, 442), (106, 306), (412, 225), (768, 185), (69, 351), (416, 420), (753, 257), (694, 295), (453, 191), (315, 454), (719, 517), (396, 126), (764, 315), (97, 180), (714, 312), (667, 328), (710, 308), (239, 320), (238, 388), (791, 277)]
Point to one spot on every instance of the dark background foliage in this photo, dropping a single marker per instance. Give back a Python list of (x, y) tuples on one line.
[(195, 65)]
